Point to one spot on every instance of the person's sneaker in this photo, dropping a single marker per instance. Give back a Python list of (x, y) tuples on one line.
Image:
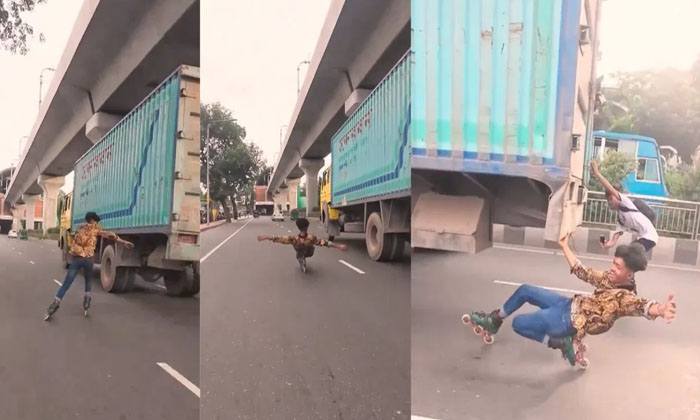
[(490, 322), (566, 346), (52, 309)]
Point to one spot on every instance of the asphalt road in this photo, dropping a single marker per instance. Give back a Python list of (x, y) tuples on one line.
[(639, 369), (280, 344), (100, 367)]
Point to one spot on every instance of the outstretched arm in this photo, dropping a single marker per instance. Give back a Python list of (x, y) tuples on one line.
[(329, 244), (631, 305), (277, 239), (589, 275), (116, 238), (613, 241), (606, 184)]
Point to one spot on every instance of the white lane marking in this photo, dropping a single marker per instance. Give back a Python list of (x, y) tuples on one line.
[(421, 418), (352, 267), (289, 231), (556, 289), (583, 257), (161, 286), (31, 262), (201, 260), (57, 282), (184, 381)]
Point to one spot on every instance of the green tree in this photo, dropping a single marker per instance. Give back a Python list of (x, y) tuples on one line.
[(661, 104), (14, 31), (614, 167), (234, 165), (683, 182)]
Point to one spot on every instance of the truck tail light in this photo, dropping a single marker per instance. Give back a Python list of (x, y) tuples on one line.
[(187, 239)]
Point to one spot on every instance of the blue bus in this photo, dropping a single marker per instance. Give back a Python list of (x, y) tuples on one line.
[(648, 179)]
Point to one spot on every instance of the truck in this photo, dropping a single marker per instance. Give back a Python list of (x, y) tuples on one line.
[(367, 187), (142, 179), (503, 97)]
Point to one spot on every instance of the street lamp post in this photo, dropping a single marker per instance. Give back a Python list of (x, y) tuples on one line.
[(209, 124), (19, 156), (41, 81), (298, 69), (284, 126)]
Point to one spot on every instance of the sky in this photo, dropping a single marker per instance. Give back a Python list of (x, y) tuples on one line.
[(250, 51), (19, 92)]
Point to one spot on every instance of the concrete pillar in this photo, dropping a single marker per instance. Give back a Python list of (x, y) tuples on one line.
[(51, 187), (284, 198), (293, 185), (99, 124), (30, 202), (311, 168), (17, 216)]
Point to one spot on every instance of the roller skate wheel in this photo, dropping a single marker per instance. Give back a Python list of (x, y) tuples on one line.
[(488, 339), (478, 330), (466, 319)]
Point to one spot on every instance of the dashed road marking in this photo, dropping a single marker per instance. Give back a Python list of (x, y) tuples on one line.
[(556, 289), (184, 381), (352, 267), (586, 257), (421, 418), (31, 262), (57, 282)]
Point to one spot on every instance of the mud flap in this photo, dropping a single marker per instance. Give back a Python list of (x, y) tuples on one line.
[(565, 210), (452, 223)]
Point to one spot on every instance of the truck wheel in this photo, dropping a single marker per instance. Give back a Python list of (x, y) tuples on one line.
[(380, 245), (182, 283), (113, 278), (399, 245)]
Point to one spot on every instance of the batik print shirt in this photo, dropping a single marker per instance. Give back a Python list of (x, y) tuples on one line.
[(596, 314), (300, 242), (85, 240)]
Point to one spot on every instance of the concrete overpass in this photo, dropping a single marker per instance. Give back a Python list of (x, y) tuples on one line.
[(117, 53), (360, 42)]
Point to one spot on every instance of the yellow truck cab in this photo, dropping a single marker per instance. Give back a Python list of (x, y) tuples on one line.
[(328, 214), (64, 238)]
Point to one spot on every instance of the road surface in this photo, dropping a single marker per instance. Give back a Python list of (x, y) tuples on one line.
[(101, 367), (279, 344), (639, 369)]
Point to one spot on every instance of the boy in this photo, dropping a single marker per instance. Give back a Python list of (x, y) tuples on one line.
[(561, 319), (629, 218), (82, 250), (303, 242)]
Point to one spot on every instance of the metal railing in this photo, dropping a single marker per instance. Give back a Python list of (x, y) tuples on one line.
[(676, 218)]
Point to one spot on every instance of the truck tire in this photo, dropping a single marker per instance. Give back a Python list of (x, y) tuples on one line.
[(399, 246), (114, 279), (380, 245), (182, 283)]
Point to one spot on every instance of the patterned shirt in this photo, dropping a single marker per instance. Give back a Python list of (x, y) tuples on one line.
[(85, 240), (596, 314), (300, 242)]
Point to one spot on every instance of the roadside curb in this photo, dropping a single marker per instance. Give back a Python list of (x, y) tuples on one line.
[(204, 227), (669, 251)]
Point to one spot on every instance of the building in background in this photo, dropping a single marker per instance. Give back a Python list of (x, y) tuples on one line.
[(263, 200)]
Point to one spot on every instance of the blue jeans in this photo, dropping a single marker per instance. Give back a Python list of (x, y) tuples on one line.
[(76, 264), (553, 319)]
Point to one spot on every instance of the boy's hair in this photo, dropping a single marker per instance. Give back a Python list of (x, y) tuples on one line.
[(92, 216), (303, 224), (633, 256)]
